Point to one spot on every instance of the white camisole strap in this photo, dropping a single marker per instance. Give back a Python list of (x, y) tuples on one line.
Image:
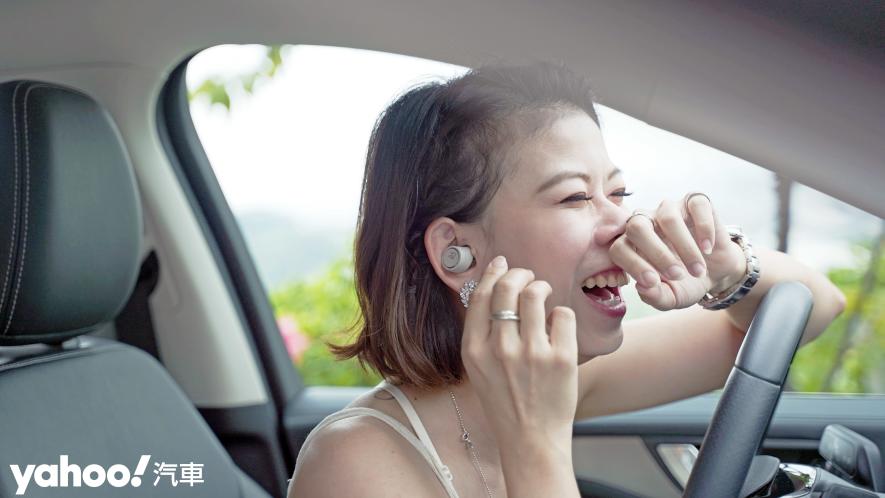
[(442, 472), (415, 420)]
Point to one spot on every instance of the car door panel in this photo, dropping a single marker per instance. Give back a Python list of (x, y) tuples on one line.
[(606, 447)]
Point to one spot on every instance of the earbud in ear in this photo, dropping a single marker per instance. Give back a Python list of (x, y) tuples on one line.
[(457, 259)]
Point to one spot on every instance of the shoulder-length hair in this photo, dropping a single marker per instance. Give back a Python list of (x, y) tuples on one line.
[(440, 149)]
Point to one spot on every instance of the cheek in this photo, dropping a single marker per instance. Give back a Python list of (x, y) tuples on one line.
[(564, 237), (555, 247), (553, 257), (557, 260)]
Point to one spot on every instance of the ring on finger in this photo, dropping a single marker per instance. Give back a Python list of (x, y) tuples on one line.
[(505, 315), (641, 213), (692, 194)]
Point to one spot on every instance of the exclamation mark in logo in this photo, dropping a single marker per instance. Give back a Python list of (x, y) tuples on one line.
[(139, 470)]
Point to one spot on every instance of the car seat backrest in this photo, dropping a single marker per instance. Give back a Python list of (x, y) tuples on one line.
[(70, 237)]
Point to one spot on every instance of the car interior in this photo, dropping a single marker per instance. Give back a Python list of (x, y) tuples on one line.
[(132, 317)]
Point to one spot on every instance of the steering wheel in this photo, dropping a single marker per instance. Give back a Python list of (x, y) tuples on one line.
[(751, 393)]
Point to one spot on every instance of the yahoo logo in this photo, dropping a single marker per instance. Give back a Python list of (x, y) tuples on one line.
[(64, 475)]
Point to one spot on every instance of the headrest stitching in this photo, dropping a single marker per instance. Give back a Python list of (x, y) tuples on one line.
[(27, 200), (12, 235)]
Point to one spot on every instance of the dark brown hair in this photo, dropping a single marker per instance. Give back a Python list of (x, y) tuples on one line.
[(440, 149)]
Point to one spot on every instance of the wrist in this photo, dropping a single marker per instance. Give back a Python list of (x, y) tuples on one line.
[(735, 273)]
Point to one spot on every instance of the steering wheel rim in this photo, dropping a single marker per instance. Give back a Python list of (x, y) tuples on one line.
[(751, 393)]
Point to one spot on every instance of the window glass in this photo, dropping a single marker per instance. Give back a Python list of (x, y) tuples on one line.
[(286, 130)]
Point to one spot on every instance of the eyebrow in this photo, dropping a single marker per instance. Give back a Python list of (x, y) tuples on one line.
[(565, 175)]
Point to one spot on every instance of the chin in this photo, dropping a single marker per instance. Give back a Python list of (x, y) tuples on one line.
[(596, 343)]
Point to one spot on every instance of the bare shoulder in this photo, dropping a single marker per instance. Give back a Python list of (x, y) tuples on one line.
[(363, 456)]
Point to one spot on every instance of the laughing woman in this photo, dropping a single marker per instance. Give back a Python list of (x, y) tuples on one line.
[(493, 237)]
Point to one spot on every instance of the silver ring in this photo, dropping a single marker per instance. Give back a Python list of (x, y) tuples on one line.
[(505, 315), (640, 213), (689, 196)]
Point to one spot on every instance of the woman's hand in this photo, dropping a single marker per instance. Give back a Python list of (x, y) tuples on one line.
[(666, 259), (527, 381)]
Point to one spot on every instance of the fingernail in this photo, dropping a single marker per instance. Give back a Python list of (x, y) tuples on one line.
[(697, 269), (499, 262), (649, 278), (707, 246), (674, 272)]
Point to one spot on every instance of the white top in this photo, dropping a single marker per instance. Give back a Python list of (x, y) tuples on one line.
[(422, 443)]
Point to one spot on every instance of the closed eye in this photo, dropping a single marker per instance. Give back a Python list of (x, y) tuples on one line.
[(578, 197), (583, 197)]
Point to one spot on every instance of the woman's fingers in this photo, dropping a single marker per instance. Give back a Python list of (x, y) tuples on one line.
[(678, 238), (642, 235), (505, 333), (515, 289), (476, 320), (533, 324), (671, 221), (703, 220), (625, 256), (563, 332)]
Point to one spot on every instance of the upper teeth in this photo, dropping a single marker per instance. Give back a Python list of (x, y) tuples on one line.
[(611, 279)]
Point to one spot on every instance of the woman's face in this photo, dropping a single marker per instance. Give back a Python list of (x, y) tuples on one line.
[(540, 220)]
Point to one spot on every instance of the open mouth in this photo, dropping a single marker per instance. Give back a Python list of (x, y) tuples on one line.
[(604, 293), (607, 296)]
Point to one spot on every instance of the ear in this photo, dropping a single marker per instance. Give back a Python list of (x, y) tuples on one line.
[(444, 232)]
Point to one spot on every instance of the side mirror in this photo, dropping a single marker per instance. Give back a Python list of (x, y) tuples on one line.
[(852, 455)]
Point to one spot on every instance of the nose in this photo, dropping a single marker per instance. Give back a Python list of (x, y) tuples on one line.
[(612, 223)]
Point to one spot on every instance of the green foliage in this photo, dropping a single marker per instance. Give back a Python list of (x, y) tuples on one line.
[(214, 90), (325, 306), (275, 56), (217, 90), (862, 367)]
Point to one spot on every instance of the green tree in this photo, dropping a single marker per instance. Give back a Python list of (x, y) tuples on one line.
[(326, 309), (849, 357), (217, 89)]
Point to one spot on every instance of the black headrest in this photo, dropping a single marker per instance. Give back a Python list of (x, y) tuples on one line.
[(70, 219)]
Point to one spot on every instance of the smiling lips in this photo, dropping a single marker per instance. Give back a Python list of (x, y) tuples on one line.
[(603, 290)]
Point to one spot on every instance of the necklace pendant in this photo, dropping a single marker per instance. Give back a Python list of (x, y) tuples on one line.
[(465, 438), (468, 445)]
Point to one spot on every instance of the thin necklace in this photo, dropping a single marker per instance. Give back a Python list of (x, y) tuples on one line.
[(465, 438)]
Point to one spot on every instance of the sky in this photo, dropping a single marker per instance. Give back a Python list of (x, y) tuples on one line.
[(296, 147)]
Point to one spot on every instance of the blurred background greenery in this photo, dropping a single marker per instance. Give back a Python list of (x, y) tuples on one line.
[(317, 310), (849, 357)]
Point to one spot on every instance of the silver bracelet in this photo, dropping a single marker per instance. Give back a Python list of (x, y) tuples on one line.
[(737, 291)]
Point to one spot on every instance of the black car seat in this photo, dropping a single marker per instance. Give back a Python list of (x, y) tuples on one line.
[(70, 242)]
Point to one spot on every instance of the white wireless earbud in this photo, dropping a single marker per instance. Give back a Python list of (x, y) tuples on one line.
[(457, 259)]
